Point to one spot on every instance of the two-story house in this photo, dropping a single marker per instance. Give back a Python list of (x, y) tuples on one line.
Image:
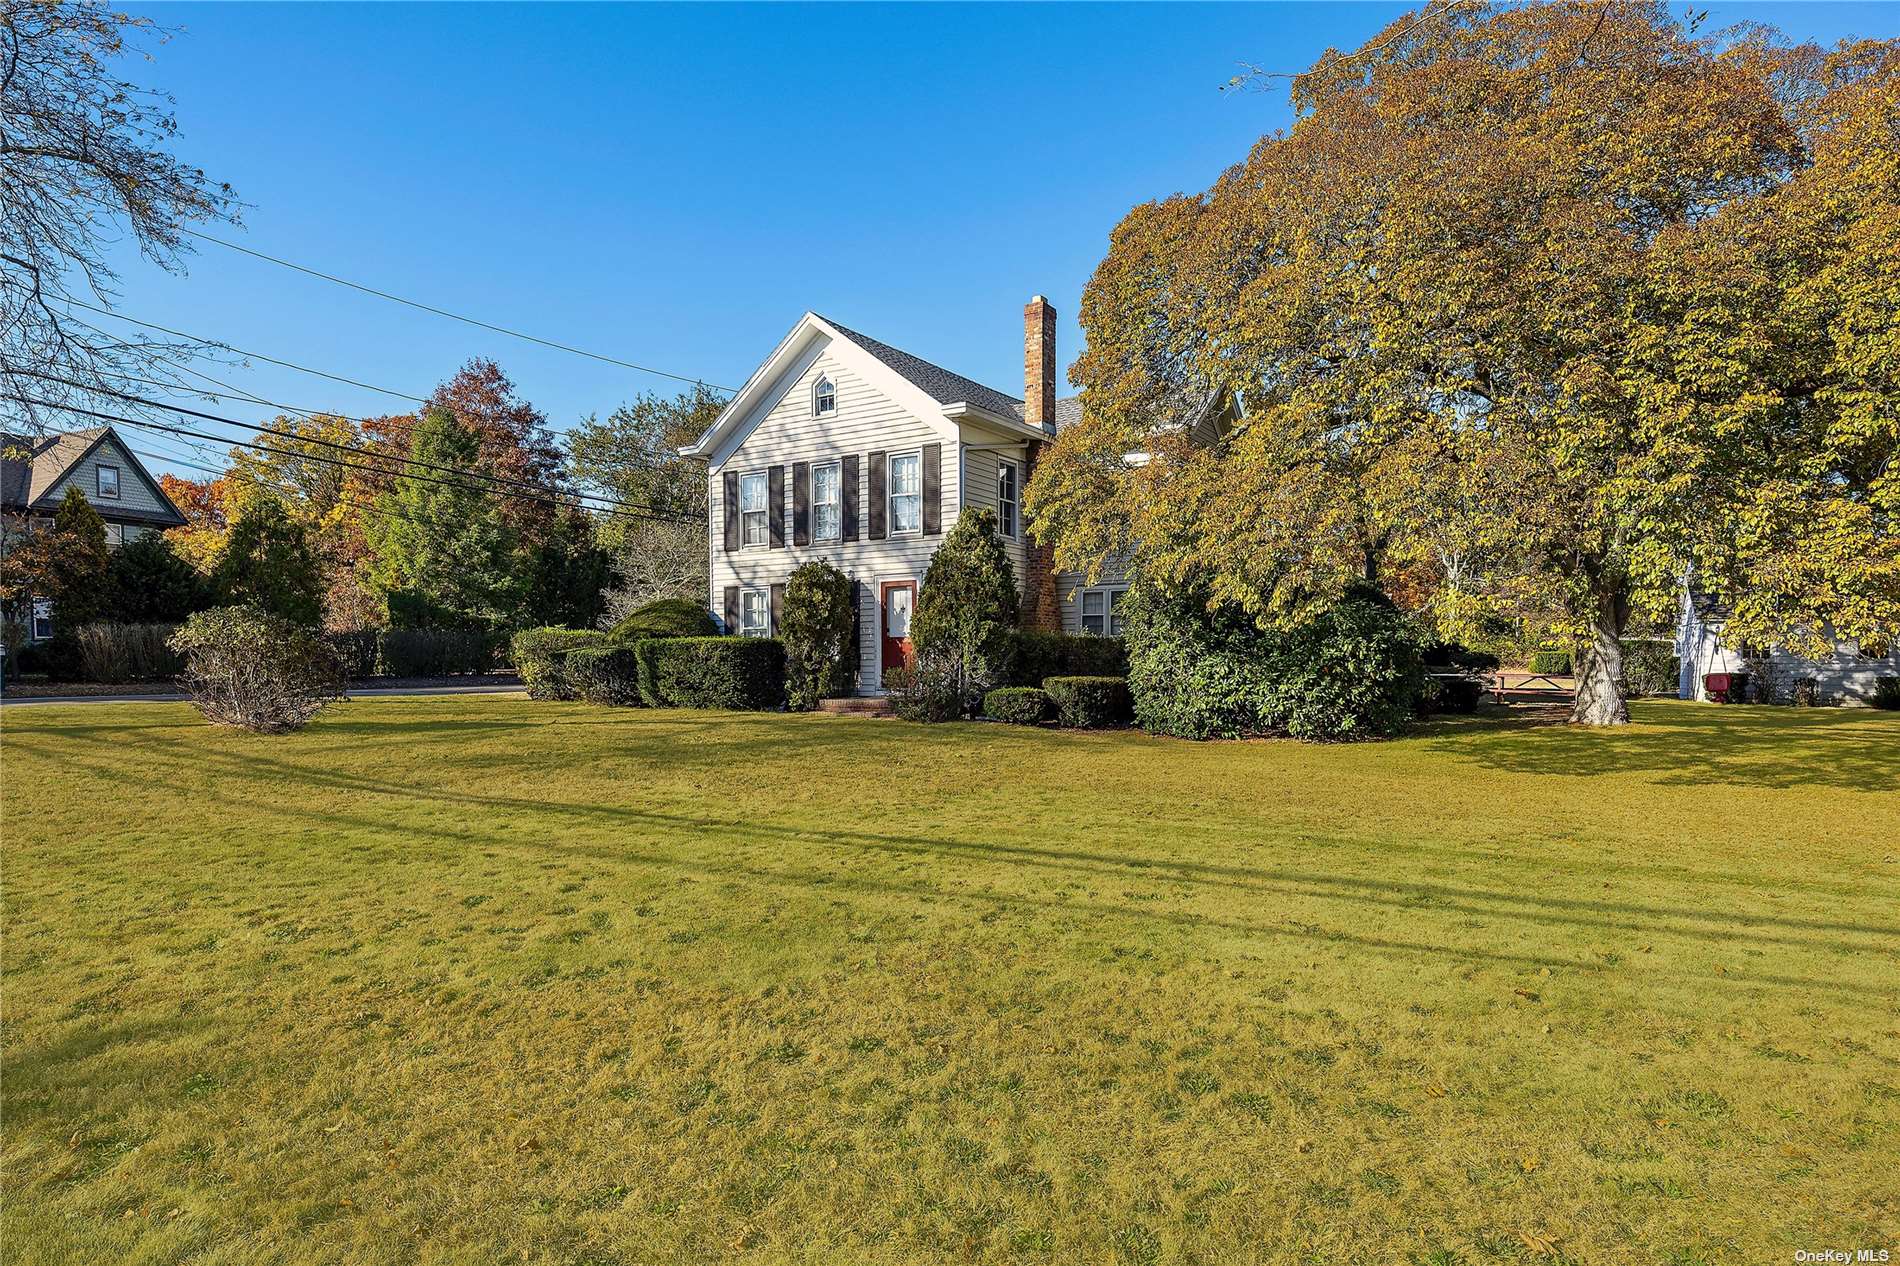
[(36, 471), (843, 448)]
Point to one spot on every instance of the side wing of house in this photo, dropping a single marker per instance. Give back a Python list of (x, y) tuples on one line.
[(1844, 675)]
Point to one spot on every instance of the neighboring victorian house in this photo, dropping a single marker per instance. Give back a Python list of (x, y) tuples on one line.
[(36, 471), (843, 448)]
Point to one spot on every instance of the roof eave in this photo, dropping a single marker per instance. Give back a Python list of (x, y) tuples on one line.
[(961, 410)]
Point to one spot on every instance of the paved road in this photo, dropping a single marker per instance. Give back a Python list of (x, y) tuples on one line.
[(368, 692)]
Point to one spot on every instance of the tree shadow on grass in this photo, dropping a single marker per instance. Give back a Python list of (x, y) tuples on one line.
[(1375, 899), (1687, 744)]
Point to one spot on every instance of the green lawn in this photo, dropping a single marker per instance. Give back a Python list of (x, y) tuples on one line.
[(482, 980)]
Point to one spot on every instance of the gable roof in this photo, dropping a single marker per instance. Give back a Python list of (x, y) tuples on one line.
[(26, 480), (934, 380)]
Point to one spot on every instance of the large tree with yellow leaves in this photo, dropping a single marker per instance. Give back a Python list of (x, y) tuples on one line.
[(1535, 308)]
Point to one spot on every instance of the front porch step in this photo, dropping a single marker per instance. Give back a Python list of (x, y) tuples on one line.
[(870, 706)]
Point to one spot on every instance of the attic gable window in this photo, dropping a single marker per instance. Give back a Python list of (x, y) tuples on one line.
[(108, 484), (824, 397)]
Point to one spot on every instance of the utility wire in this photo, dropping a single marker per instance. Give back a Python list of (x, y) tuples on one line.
[(211, 342), (453, 316), (334, 461), (537, 489)]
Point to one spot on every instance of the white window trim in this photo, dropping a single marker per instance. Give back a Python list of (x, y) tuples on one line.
[(890, 492), (823, 379), (98, 481), (1108, 609), (1016, 504), (765, 612), (837, 536), (764, 511)]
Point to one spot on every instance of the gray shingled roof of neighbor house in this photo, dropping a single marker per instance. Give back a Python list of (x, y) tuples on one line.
[(26, 479)]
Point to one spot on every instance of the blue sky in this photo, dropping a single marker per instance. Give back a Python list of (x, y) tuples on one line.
[(674, 185)]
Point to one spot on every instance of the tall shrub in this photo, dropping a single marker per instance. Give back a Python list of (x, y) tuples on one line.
[(1352, 671), (256, 670), (821, 656), (114, 653), (267, 563), (148, 583), (967, 607)]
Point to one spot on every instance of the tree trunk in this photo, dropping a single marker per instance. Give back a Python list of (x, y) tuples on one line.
[(1599, 668)]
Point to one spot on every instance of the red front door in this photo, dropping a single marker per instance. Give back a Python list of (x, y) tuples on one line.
[(896, 600)]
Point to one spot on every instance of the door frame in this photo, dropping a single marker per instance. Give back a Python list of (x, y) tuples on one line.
[(884, 584)]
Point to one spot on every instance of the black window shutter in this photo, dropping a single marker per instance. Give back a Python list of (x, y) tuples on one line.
[(778, 608), (933, 489), (775, 505), (848, 477), (878, 506), (854, 654), (801, 503), (731, 500), (732, 608)]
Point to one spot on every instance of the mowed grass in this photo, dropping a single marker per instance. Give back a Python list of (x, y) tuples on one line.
[(482, 980)]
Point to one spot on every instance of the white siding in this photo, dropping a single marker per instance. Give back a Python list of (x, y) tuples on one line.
[(134, 496), (1845, 676), (980, 461), (1070, 584), (866, 421)]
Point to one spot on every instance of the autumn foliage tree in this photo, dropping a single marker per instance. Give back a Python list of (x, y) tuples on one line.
[(1535, 308)]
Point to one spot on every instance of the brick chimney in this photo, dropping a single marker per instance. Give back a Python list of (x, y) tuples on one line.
[(1042, 605), (1039, 364)]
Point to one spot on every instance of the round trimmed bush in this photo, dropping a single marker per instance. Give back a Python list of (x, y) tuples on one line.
[(666, 617), (1089, 703), (1018, 705)]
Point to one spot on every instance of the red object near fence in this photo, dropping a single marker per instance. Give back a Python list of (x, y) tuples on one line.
[(1725, 687)]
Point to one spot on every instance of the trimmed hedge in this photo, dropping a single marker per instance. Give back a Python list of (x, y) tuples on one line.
[(1031, 655), (540, 657), (1548, 662), (1886, 693), (666, 617), (1441, 656), (1018, 705), (1089, 703), (604, 674), (745, 673), (414, 652), (1650, 668)]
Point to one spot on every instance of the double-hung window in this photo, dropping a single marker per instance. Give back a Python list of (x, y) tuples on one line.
[(1102, 611), (753, 529), (827, 489), (755, 613), (907, 493), (108, 484), (1008, 499)]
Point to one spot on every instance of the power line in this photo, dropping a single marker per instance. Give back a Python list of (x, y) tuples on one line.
[(333, 461), (211, 342), (538, 489), (453, 316)]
